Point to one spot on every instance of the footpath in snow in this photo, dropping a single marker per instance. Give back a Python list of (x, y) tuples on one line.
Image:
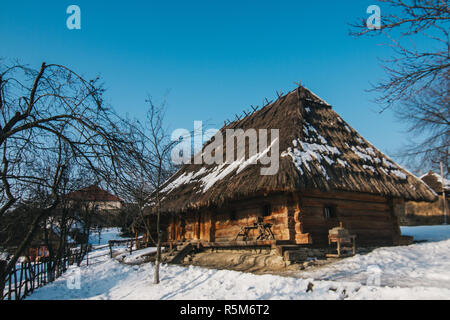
[(419, 271)]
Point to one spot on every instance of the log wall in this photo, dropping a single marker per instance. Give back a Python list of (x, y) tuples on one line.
[(373, 219), (298, 218), (223, 224)]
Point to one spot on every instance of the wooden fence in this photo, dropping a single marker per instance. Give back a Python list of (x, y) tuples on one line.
[(25, 277), (128, 243)]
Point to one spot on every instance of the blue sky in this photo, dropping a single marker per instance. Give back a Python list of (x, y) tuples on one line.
[(213, 58)]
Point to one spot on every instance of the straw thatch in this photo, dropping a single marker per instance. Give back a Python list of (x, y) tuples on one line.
[(436, 182), (318, 150)]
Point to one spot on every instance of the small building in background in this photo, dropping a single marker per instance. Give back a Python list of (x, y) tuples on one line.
[(102, 205), (419, 213), (96, 198)]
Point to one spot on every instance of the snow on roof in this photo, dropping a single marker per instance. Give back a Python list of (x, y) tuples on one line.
[(214, 174), (439, 179)]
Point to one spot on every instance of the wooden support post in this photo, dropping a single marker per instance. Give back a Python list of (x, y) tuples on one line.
[(110, 248), (339, 248), (354, 244), (443, 194)]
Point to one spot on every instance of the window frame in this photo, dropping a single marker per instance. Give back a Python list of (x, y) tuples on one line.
[(329, 212), (233, 215)]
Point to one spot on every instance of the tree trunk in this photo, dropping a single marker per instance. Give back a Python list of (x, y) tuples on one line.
[(158, 251), (157, 262)]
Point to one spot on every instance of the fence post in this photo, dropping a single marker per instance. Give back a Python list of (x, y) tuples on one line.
[(3, 274), (15, 282), (26, 277), (9, 286), (33, 267), (20, 281), (110, 248)]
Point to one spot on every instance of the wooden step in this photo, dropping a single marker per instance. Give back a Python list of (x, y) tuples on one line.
[(180, 254), (295, 256)]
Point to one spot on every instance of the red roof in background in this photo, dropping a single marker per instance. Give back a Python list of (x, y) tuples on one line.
[(92, 193)]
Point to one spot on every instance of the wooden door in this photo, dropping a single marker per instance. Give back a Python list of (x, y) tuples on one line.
[(205, 226)]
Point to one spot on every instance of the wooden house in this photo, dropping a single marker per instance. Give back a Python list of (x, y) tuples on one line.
[(328, 174), (103, 206), (96, 198)]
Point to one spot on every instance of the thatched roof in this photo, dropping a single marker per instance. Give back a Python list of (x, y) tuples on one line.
[(318, 150), (435, 182)]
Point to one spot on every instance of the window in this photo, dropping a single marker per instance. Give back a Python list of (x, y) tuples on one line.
[(329, 212), (233, 215), (267, 210)]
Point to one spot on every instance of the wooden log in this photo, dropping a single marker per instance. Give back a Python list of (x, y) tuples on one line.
[(303, 238), (345, 204), (343, 195), (295, 255)]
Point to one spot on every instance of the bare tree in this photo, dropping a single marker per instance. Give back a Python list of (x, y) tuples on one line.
[(417, 83), (50, 118), (147, 165), (160, 149), (134, 184), (428, 116)]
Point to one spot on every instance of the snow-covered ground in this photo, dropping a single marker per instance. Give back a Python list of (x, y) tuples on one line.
[(419, 271), (428, 233), (424, 264), (105, 235), (136, 257)]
